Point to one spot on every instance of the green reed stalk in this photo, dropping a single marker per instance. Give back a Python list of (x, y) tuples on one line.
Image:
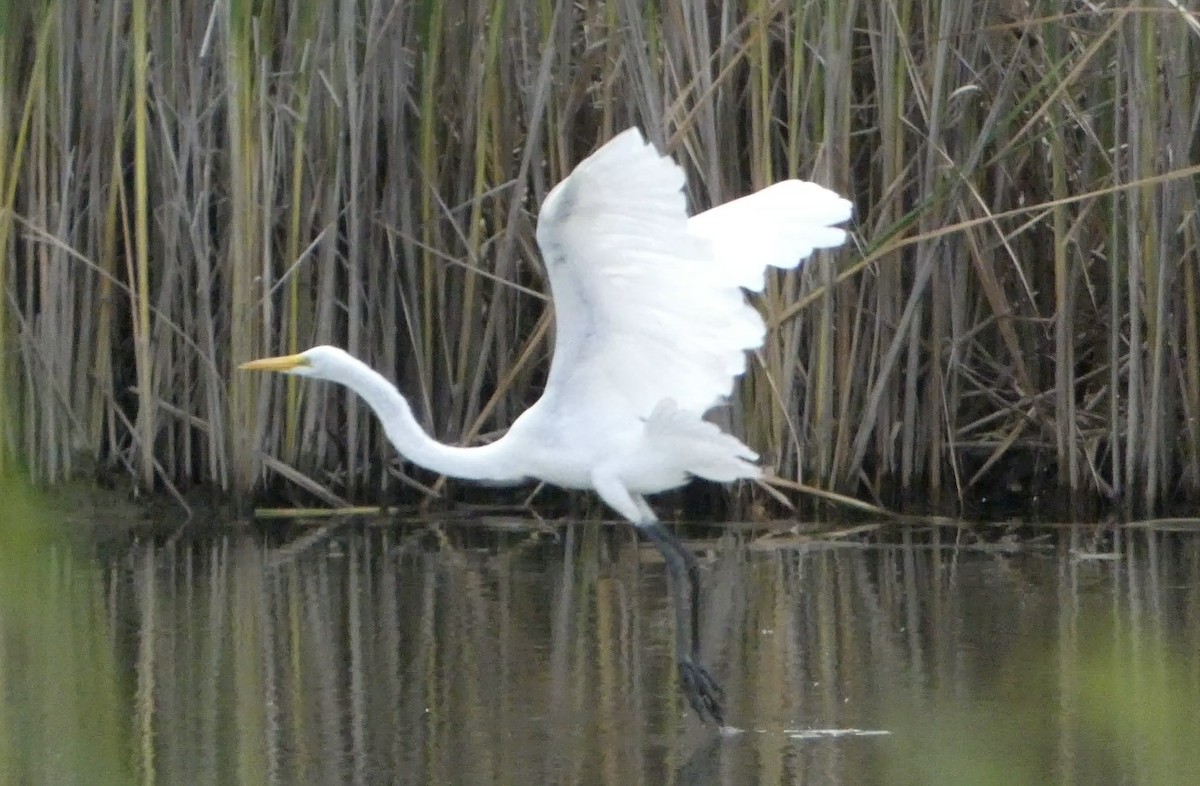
[(6, 213), (428, 171), (1148, 117), (7, 98), (100, 427), (244, 256), (140, 312), (291, 441), (10, 173), (1064, 373), (820, 449), (1191, 360), (485, 150)]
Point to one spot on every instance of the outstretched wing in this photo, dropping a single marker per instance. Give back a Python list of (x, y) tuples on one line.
[(649, 304)]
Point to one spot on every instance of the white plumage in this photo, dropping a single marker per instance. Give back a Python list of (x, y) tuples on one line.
[(652, 329), (651, 318), (778, 227)]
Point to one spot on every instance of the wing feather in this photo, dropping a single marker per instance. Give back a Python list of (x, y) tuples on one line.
[(779, 226), (649, 305)]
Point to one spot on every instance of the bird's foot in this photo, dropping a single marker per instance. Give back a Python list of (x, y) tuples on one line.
[(702, 691)]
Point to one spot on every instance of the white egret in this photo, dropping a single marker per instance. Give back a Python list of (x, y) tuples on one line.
[(652, 329)]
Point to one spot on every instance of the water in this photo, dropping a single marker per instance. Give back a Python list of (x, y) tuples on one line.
[(481, 653)]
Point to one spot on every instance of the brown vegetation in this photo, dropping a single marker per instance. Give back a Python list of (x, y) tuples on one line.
[(186, 185)]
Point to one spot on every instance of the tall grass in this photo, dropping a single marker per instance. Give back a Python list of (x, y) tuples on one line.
[(184, 186)]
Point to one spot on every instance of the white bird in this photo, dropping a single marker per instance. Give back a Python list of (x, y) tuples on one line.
[(652, 329)]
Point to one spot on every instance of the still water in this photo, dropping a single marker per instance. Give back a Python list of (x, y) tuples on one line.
[(494, 652)]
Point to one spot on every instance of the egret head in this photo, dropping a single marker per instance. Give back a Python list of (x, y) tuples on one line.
[(318, 363)]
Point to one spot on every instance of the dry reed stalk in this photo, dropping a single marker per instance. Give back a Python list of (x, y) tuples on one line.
[(201, 185)]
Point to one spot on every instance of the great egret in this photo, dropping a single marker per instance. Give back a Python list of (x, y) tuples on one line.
[(652, 329)]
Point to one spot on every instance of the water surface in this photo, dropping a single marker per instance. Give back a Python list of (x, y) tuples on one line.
[(488, 653)]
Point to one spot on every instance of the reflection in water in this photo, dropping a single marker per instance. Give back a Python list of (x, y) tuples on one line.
[(440, 655)]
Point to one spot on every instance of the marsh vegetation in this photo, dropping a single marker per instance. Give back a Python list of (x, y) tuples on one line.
[(184, 186)]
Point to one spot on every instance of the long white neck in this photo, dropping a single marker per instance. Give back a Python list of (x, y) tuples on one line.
[(492, 462)]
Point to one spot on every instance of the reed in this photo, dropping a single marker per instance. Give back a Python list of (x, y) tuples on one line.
[(183, 187), (6, 208)]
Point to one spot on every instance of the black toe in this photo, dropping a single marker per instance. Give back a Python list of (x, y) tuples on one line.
[(702, 691)]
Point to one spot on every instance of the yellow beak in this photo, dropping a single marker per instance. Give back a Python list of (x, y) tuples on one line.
[(282, 363)]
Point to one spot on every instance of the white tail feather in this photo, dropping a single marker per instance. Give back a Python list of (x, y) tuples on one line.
[(705, 450)]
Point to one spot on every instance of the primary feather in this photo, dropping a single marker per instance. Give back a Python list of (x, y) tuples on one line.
[(649, 303), (778, 227)]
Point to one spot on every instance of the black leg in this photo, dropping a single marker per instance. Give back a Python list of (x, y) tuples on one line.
[(702, 691)]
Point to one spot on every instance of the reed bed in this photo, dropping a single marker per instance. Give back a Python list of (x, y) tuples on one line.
[(184, 186)]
